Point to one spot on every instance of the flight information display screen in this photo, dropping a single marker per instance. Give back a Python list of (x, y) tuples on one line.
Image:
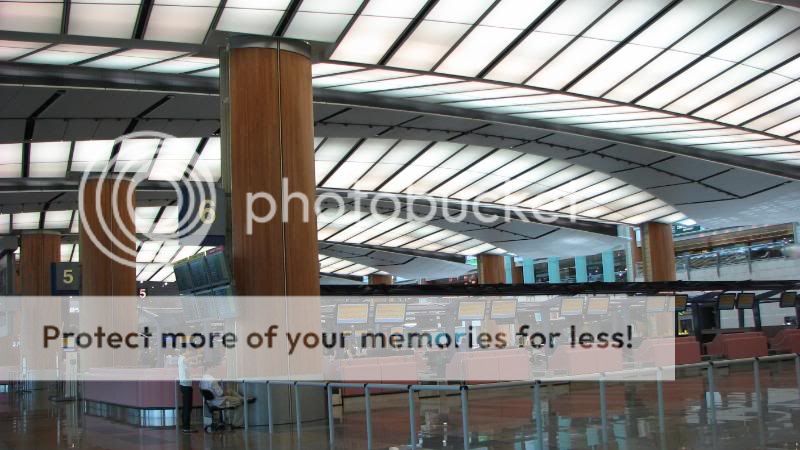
[(356, 313), (746, 300), (504, 309), (390, 313), (789, 300), (471, 310), (726, 302), (572, 306), (598, 305)]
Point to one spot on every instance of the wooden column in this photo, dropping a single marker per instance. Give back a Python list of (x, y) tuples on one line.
[(380, 279), (658, 252), (491, 269), (107, 267), (37, 253), (271, 140)]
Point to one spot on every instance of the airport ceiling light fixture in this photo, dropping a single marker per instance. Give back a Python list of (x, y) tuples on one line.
[(715, 75), (493, 176), (489, 175), (336, 266), (361, 227)]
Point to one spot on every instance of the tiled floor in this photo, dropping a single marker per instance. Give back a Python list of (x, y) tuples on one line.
[(499, 419)]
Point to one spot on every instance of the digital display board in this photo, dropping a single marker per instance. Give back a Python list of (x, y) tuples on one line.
[(572, 306), (745, 300), (471, 310), (726, 302), (656, 304), (598, 305), (183, 277), (680, 303), (199, 273), (352, 313), (788, 299), (390, 313), (217, 268), (504, 309)]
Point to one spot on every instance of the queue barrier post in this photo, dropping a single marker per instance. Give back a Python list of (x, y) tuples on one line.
[(537, 404), (412, 417), (329, 401), (465, 415), (269, 407), (368, 415), (603, 410), (245, 405), (297, 411)]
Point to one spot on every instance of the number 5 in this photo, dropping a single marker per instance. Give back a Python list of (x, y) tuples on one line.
[(68, 276)]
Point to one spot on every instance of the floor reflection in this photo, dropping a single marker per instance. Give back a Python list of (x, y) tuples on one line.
[(737, 416)]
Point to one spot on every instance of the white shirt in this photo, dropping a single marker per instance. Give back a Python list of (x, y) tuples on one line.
[(183, 372), (208, 383)]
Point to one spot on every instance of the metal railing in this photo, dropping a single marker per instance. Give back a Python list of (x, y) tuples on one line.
[(729, 257), (462, 390)]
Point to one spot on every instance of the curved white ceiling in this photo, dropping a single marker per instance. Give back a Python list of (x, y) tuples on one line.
[(716, 75)]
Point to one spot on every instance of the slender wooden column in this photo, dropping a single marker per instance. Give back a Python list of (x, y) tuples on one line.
[(380, 279), (658, 252), (272, 153), (491, 269), (107, 258), (37, 253)]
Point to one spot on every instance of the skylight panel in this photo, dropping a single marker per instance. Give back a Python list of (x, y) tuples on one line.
[(106, 18), (15, 49), (621, 64), (252, 16), (686, 81), (182, 65), (427, 45), (65, 54), (180, 20), (31, 16), (57, 220), (135, 155), (394, 83), (571, 62), (208, 167), (370, 38), (721, 26), (664, 65), (787, 128), (694, 99), (10, 160), (130, 59), (323, 69), (764, 104), (26, 221), (91, 156), (528, 56), (677, 22), (173, 158), (49, 159), (741, 97)]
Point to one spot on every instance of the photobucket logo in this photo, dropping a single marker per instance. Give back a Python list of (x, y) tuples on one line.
[(107, 206)]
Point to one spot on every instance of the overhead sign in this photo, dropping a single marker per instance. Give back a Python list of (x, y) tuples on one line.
[(65, 278)]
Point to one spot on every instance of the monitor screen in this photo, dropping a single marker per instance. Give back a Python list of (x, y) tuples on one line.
[(183, 277), (745, 300), (504, 309), (572, 306), (656, 304), (471, 310), (537, 316), (217, 268), (390, 313), (788, 299), (352, 313), (726, 302), (680, 303), (598, 305), (197, 267)]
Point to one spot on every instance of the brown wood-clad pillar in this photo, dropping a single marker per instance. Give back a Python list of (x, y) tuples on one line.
[(38, 251), (658, 252), (491, 269), (107, 267), (272, 140), (380, 279)]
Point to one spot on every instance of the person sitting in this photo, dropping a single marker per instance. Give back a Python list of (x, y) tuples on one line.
[(225, 399)]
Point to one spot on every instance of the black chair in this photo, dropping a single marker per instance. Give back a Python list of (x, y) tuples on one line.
[(218, 414)]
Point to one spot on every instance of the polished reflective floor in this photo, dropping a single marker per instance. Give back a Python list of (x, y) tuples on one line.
[(739, 415)]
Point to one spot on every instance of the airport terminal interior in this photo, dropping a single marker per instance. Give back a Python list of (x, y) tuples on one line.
[(434, 168)]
